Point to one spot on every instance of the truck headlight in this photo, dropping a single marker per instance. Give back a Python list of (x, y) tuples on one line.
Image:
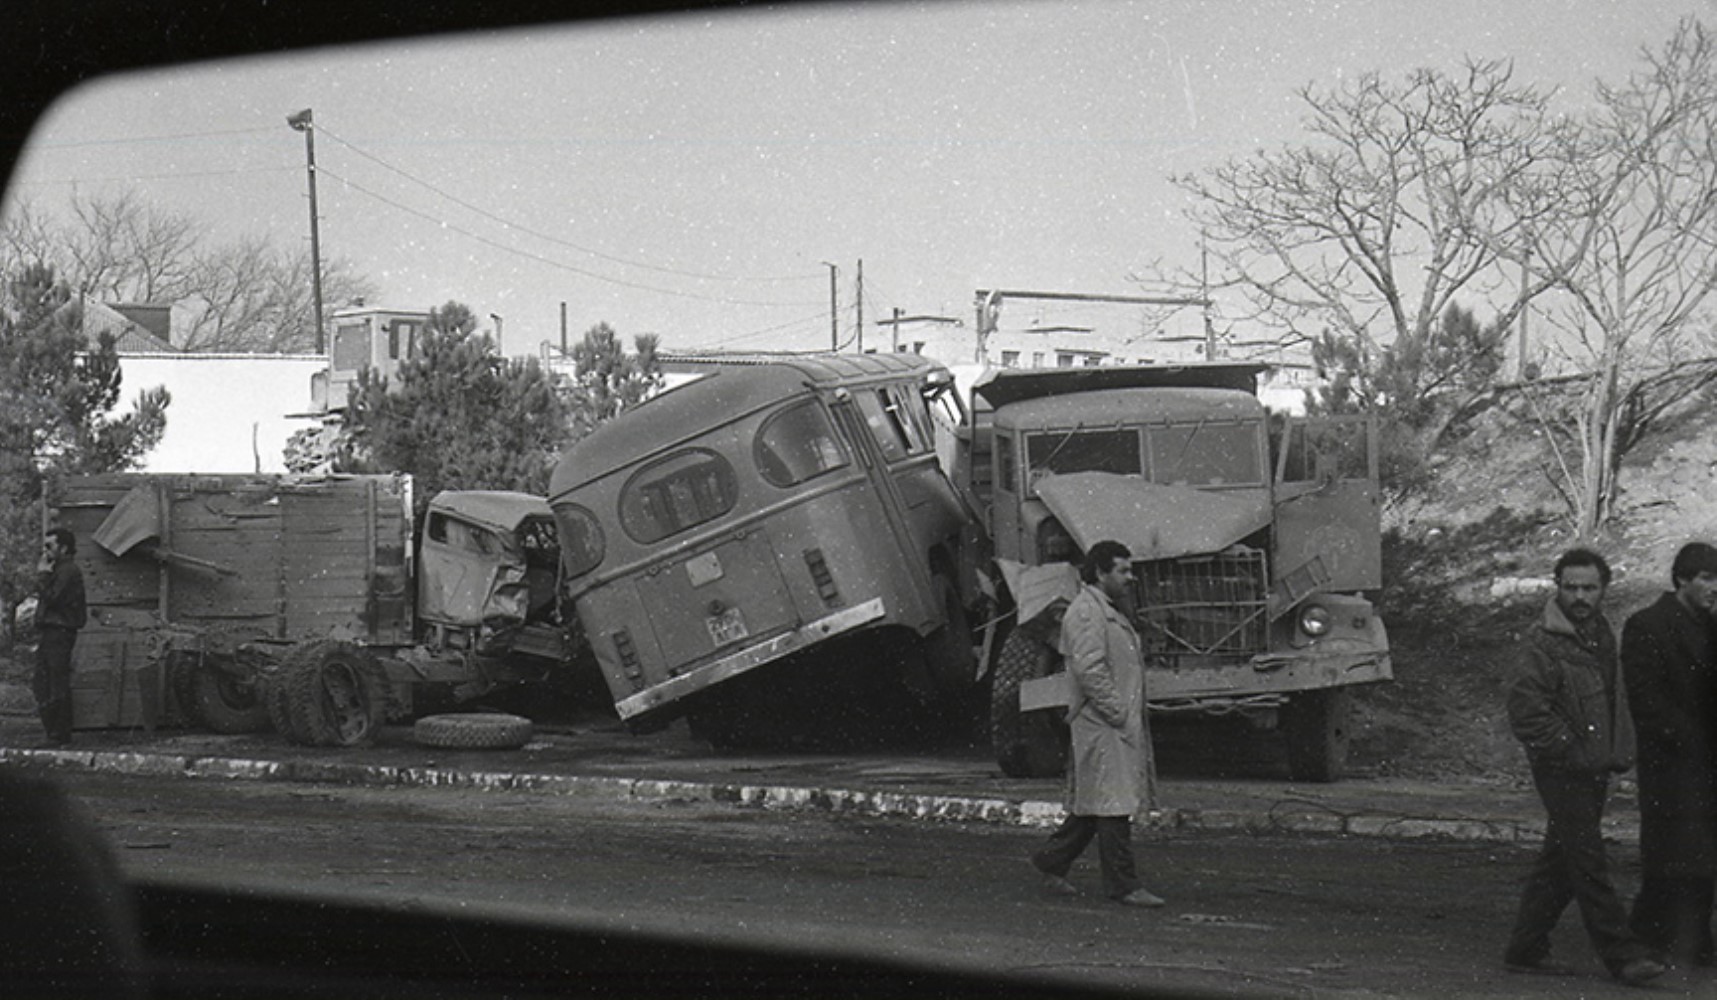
[(1314, 620)]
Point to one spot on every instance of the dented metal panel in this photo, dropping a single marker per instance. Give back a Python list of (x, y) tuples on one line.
[(1152, 520)]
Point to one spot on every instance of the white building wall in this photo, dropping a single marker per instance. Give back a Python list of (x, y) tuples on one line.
[(229, 412)]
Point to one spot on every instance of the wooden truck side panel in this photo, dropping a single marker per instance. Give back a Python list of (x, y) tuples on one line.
[(239, 558)]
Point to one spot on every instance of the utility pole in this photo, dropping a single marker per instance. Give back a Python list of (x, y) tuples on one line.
[(1204, 293), (859, 304), (304, 122), (834, 332), (895, 326)]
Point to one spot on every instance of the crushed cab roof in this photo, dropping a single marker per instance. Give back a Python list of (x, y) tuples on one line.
[(501, 509)]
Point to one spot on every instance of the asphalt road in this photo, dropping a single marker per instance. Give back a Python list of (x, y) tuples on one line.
[(1273, 916)]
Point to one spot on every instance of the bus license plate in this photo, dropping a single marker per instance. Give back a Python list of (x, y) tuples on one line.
[(729, 626)]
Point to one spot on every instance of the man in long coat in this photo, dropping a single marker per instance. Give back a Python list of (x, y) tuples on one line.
[(1110, 767), (1667, 659)]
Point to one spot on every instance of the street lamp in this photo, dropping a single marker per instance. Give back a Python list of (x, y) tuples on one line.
[(304, 122)]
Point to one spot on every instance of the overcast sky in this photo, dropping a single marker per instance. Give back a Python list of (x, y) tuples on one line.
[(690, 176)]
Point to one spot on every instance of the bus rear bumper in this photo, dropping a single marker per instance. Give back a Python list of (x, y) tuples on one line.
[(750, 658)]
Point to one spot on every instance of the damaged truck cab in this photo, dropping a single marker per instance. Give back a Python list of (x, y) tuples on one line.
[(1254, 537)]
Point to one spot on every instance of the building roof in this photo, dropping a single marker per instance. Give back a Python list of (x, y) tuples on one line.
[(129, 336)]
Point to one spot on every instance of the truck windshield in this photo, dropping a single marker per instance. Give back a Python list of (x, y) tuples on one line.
[(1062, 452), (1205, 454)]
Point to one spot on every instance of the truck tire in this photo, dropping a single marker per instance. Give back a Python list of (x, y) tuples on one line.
[(223, 703), (273, 685), (336, 694), (1026, 744), (1316, 726), (181, 673), (473, 731)]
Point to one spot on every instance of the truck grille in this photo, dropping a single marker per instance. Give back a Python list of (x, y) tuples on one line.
[(1204, 605)]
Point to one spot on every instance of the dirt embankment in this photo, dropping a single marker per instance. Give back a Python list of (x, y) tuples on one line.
[(1467, 567)]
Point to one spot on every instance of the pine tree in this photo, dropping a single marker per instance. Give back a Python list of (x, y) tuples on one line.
[(56, 396), (457, 416)]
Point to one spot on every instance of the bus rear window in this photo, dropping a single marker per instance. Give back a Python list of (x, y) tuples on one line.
[(797, 444), (679, 492)]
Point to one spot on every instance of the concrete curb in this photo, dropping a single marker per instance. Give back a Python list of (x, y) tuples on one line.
[(1286, 816)]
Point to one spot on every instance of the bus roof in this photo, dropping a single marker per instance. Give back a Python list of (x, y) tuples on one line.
[(728, 386)]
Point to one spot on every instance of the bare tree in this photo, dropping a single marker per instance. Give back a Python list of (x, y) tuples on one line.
[(245, 296), (1624, 225), (1363, 238), (123, 248), (252, 297)]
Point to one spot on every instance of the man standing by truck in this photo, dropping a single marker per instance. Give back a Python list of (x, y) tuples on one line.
[(60, 612), (1107, 781), (1568, 706)]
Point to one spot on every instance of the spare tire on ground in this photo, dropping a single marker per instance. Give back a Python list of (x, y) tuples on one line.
[(473, 731)]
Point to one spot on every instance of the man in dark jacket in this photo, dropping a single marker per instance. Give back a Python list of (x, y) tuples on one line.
[(60, 613), (1667, 653), (1568, 706)]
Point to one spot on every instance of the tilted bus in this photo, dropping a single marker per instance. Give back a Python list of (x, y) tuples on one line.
[(775, 505)]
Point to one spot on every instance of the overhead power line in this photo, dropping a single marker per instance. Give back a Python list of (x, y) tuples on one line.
[(819, 318), (539, 258), (174, 137), (160, 177), (485, 213)]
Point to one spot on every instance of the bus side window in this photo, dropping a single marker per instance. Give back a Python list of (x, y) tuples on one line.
[(909, 412), (884, 426), (681, 491), (797, 444)]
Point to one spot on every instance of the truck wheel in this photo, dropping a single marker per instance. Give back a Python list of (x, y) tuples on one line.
[(1027, 744), (273, 685), (948, 652), (336, 694), (1316, 726), (181, 681), (473, 731), (225, 704)]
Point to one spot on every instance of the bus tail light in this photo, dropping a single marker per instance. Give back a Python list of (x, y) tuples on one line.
[(628, 651), (821, 576)]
